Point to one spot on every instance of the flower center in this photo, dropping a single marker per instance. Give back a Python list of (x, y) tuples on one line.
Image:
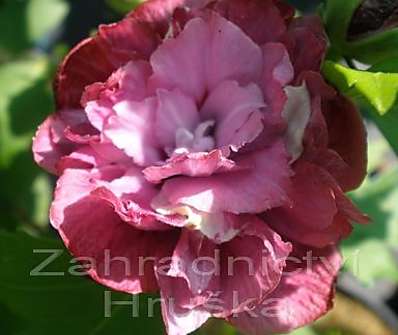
[(201, 140)]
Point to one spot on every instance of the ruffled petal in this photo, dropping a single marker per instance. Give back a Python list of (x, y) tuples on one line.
[(236, 112), (347, 137), (128, 82), (207, 52), (304, 294), (175, 111), (83, 158), (258, 257), (131, 130), (197, 164), (317, 215), (96, 58), (157, 13), (51, 143), (261, 187), (235, 274), (261, 20), (306, 42), (179, 320), (46, 151), (336, 136), (94, 232)]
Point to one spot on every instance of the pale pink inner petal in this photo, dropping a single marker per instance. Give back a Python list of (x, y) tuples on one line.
[(296, 113), (196, 164), (127, 83), (175, 111), (257, 189), (131, 130), (98, 113), (233, 107), (203, 55)]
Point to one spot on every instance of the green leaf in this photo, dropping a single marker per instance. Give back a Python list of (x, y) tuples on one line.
[(43, 16), (304, 331), (61, 304), (371, 48), (371, 260), (25, 100), (13, 37), (368, 250), (378, 89), (375, 90), (24, 22), (216, 326), (25, 196), (337, 16), (376, 198), (123, 6)]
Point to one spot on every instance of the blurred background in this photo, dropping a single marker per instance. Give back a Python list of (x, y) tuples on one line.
[(34, 36)]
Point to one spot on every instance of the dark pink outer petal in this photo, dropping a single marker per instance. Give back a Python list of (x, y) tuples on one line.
[(277, 72), (317, 215), (252, 281), (253, 190), (51, 143), (237, 273), (93, 231), (336, 136), (304, 294), (306, 42), (46, 149), (179, 320), (157, 13), (347, 137), (262, 20), (94, 59)]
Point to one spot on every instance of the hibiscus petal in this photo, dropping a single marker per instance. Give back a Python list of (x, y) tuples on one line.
[(237, 273), (319, 214), (157, 13), (179, 63), (306, 42), (347, 136), (47, 152), (127, 83), (336, 136), (175, 110), (179, 320), (94, 59), (197, 164), (277, 72), (91, 229), (296, 113), (231, 54), (258, 257), (83, 158), (304, 294), (232, 107), (190, 261), (260, 20), (260, 188), (203, 55), (131, 130)]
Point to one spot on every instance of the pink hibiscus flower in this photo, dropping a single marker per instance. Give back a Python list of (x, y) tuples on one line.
[(199, 141)]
